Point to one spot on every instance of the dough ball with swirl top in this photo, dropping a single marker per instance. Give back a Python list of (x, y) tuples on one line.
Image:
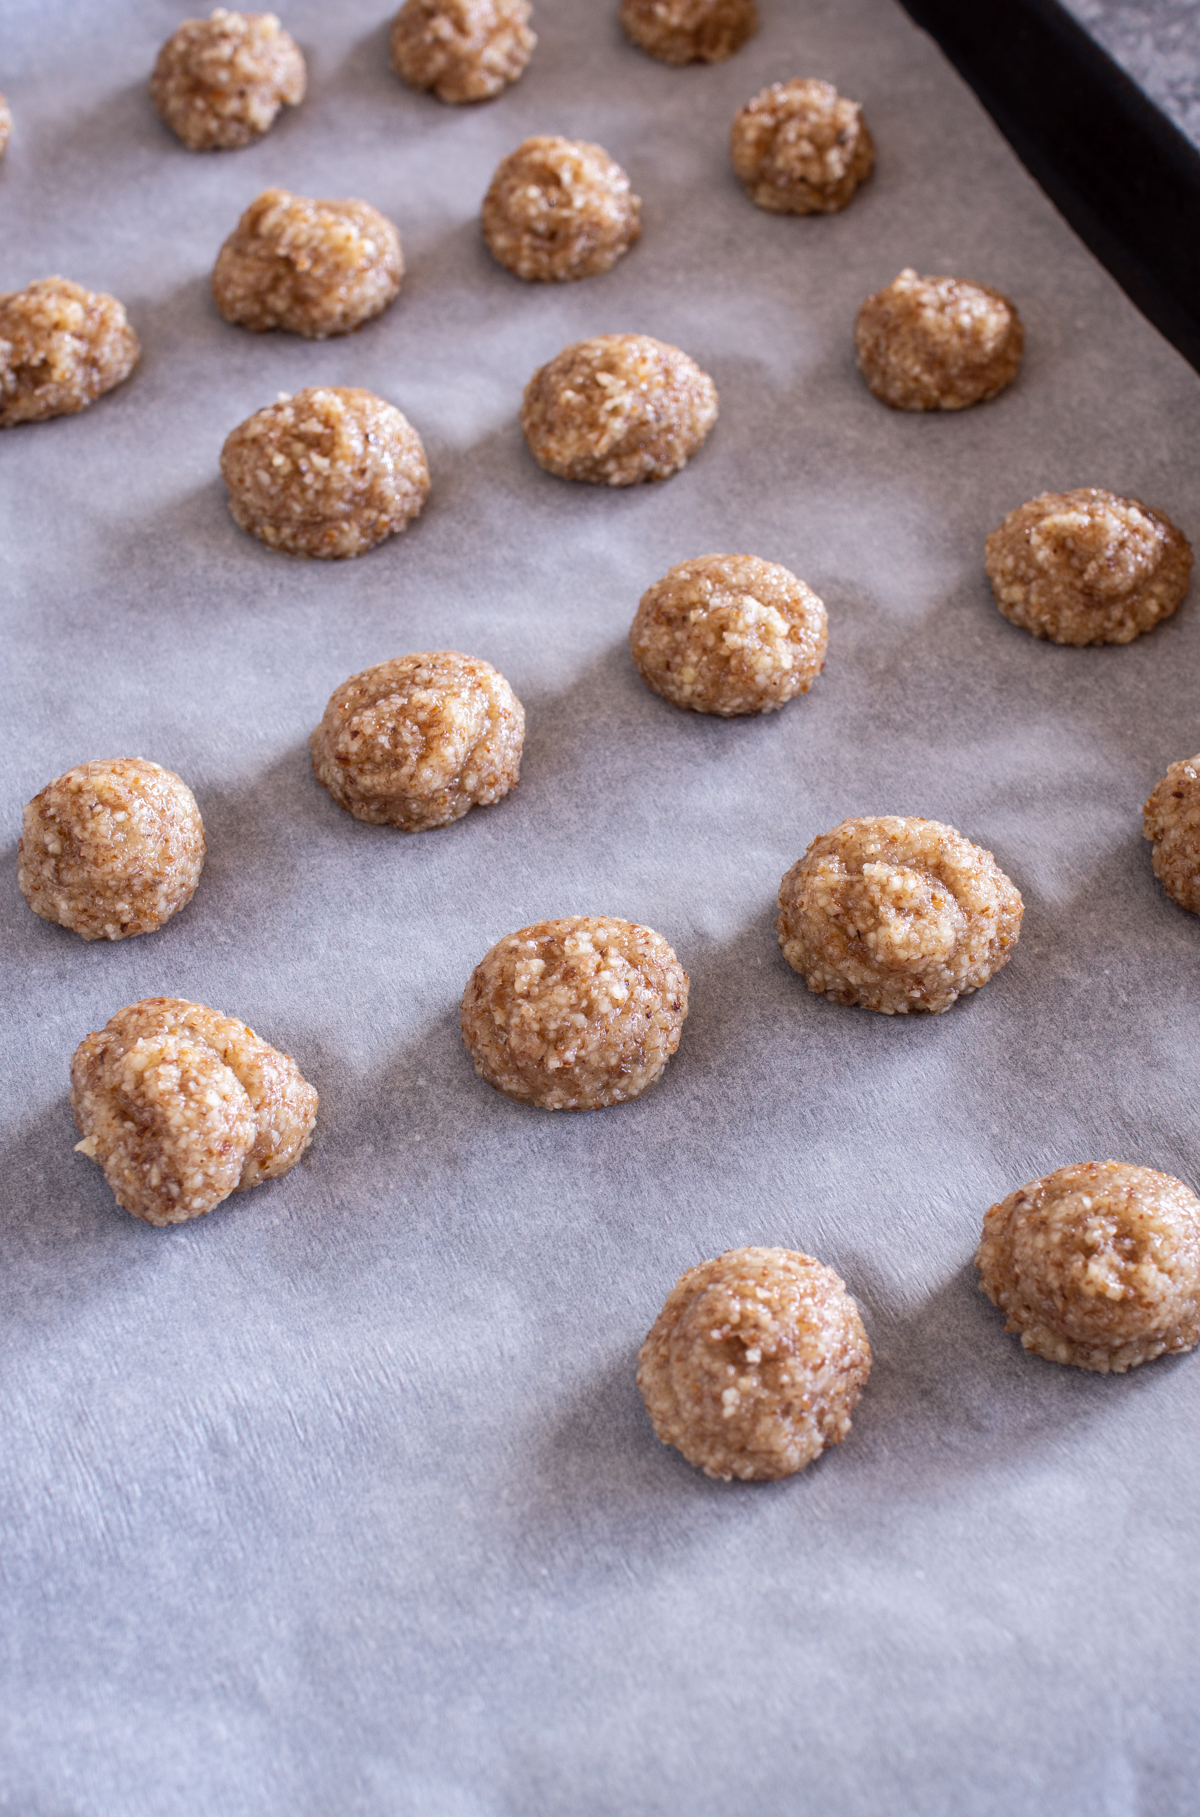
[(801, 148), (937, 343), (559, 209), (312, 268), (617, 409)]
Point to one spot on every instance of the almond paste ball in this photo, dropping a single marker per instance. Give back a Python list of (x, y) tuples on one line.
[(800, 148), (1096, 1265), (897, 914), (575, 1014), (729, 634), (755, 1364), (689, 31), (5, 125), (1087, 567), (1171, 819), (618, 409), (417, 742), (937, 343), (313, 268), (219, 82), (559, 209), (464, 50), (111, 848), (329, 472), (182, 1106), (61, 347)]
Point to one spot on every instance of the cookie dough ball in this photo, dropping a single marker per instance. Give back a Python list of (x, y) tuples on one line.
[(61, 347), (5, 125), (618, 409), (219, 82), (729, 634), (1096, 1265), (417, 742), (462, 50), (800, 148), (182, 1106), (329, 472), (575, 1014), (313, 268), (937, 343), (689, 31), (755, 1364), (111, 848), (897, 914), (1087, 567), (1171, 819), (559, 209)]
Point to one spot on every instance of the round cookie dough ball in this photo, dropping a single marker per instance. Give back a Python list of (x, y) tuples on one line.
[(1087, 567), (1171, 819), (417, 742), (937, 343), (111, 848), (182, 1106), (575, 1014), (313, 268), (61, 347), (800, 148), (219, 82), (729, 634), (618, 409), (559, 209), (897, 914), (689, 31), (1096, 1265), (464, 50), (5, 125), (755, 1364), (329, 472)]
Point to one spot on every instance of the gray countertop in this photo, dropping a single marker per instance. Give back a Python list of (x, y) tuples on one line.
[(1157, 42)]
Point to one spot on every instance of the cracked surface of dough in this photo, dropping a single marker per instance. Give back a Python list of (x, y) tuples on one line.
[(462, 50), (575, 1014), (801, 148), (559, 209), (61, 347), (314, 268), (755, 1364), (1096, 1265), (689, 31), (1087, 567), (219, 82), (182, 1106), (417, 742), (897, 914), (937, 343), (1171, 820), (617, 409)]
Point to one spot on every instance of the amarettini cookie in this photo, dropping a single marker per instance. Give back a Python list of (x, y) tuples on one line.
[(800, 148), (937, 343), (618, 409), (462, 50), (417, 742), (5, 125), (689, 31), (755, 1364), (312, 268), (1171, 819), (111, 848), (729, 634), (559, 209), (61, 347), (1096, 1265), (329, 472), (1087, 567), (897, 914), (182, 1106), (575, 1014), (219, 82)]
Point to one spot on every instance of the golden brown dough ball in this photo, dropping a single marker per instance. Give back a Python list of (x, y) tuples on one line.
[(219, 82), (182, 1106), (755, 1364), (1097, 1265), (5, 125), (312, 268), (559, 209), (618, 409), (937, 343), (689, 31), (801, 148), (462, 50), (1171, 820), (61, 347)]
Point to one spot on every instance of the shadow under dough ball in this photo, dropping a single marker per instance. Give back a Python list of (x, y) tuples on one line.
[(1087, 567), (219, 82), (559, 209), (755, 1364), (617, 409), (461, 50), (417, 742), (897, 914), (689, 31), (314, 268), (575, 1014), (729, 634), (1096, 1265), (182, 1106), (937, 343), (801, 148), (1171, 820), (61, 347)]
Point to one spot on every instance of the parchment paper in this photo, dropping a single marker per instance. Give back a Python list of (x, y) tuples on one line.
[(342, 1499)]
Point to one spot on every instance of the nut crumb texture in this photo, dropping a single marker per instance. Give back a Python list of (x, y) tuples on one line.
[(1171, 821), (689, 31), (801, 148), (559, 209), (617, 409), (937, 343), (314, 268), (219, 82), (61, 347), (461, 50)]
